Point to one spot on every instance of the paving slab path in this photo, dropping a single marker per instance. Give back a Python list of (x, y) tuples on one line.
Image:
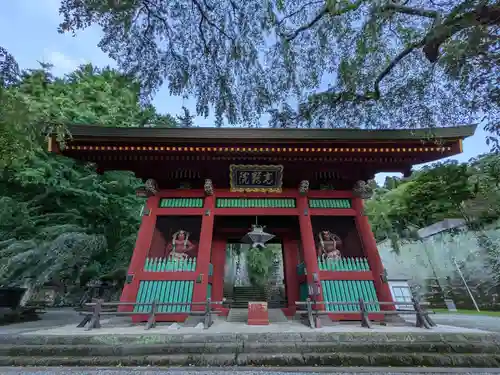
[(482, 322)]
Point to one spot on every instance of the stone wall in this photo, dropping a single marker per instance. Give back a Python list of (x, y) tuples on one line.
[(429, 263)]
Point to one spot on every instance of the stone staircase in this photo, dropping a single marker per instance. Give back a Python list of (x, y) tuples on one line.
[(244, 294), (273, 295), (241, 316)]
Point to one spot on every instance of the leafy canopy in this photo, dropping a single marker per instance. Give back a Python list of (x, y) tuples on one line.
[(346, 63), (470, 191), (60, 220), (34, 102)]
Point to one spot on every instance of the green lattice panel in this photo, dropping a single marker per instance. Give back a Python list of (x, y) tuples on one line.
[(349, 291), (169, 265), (343, 264), (165, 291), (181, 203), (303, 292), (329, 203), (209, 290), (256, 203)]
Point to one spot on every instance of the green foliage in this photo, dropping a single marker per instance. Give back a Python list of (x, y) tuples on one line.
[(470, 191), (260, 264), (60, 221), (186, 120), (37, 103), (350, 63), (61, 218)]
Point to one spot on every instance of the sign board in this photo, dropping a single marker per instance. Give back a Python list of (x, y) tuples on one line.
[(256, 178), (258, 313), (450, 304)]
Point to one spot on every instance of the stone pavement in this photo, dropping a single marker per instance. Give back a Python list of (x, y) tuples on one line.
[(122, 326), (64, 321), (245, 371), (483, 322)]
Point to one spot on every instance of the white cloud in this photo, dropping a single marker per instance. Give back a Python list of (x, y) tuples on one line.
[(62, 64)]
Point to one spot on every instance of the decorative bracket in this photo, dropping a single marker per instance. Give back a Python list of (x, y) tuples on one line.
[(146, 212), (209, 187), (151, 186), (303, 187), (207, 212), (130, 278), (306, 212)]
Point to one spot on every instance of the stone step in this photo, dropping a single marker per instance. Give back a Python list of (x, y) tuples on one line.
[(277, 316), (311, 349), (237, 315), (284, 359)]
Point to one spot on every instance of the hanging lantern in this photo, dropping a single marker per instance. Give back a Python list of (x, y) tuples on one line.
[(257, 237)]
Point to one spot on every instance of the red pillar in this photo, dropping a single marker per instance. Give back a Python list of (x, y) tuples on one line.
[(371, 252), (308, 245), (218, 262), (141, 250), (204, 250), (290, 257)]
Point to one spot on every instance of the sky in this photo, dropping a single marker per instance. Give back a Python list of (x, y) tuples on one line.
[(28, 30)]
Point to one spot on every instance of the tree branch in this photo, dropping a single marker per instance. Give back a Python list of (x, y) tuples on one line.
[(299, 10), (412, 11), (487, 15), (346, 96), (323, 12), (311, 23), (205, 18), (484, 15)]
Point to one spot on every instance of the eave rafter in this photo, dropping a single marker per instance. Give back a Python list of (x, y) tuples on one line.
[(380, 158), (257, 150)]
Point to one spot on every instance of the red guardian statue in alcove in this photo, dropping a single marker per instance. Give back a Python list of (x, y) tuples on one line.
[(181, 247), (329, 245)]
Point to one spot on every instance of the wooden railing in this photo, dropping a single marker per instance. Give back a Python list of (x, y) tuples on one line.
[(344, 264), (100, 308), (422, 315), (172, 265)]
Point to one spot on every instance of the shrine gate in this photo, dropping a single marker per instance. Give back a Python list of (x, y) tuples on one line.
[(206, 187)]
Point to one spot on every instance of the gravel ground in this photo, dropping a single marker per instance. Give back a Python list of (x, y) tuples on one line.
[(53, 318), (319, 371)]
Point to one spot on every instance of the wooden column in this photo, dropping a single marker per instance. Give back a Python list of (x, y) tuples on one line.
[(218, 261), (308, 245), (141, 250), (290, 258), (371, 252), (204, 250)]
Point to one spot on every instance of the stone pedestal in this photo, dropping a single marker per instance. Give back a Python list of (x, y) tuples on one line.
[(258, 314)]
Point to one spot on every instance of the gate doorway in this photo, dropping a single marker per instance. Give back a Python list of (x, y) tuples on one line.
[(252, 274)]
